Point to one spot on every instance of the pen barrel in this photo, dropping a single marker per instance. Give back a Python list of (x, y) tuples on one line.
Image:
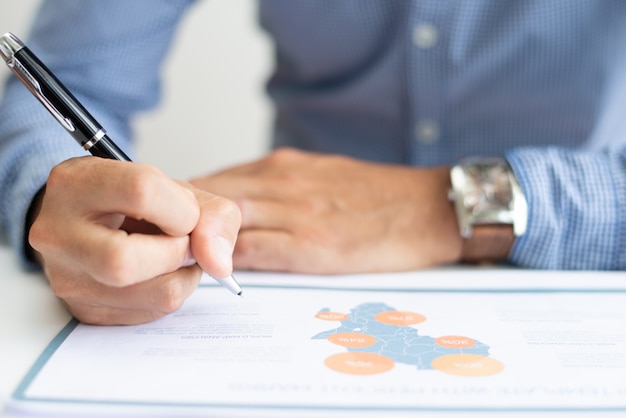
[(106, 148), (58, 100)]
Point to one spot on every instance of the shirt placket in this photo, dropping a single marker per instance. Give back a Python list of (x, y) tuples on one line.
[(426, 66)]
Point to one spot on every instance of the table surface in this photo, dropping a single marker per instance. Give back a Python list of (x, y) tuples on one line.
[(32, 316)]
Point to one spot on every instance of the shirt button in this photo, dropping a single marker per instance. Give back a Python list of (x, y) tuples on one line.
[(427, 131), (425, 35)]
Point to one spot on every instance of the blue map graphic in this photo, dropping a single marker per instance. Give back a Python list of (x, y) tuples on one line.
[(403, 344)]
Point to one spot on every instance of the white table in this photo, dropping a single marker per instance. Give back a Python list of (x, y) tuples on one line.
[(30, 317)]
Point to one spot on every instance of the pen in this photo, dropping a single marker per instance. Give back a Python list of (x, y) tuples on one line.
[(67, 110)]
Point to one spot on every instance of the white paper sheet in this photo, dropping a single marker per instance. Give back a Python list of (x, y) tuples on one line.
[(356, 346)]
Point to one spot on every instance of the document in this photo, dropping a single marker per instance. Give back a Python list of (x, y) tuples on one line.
[(367, 345)]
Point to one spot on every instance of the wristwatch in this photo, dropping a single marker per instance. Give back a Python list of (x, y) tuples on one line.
[(486, 192)]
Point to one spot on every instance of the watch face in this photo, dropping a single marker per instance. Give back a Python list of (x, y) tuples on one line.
[(489, 189), (486, 192)]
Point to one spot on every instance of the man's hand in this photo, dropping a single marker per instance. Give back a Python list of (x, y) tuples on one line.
[(114, 239), (306, 212)]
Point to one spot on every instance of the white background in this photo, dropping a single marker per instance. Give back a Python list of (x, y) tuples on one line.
[(212, 114)]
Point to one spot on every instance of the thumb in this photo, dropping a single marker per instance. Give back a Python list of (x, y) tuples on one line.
[(214, 236)]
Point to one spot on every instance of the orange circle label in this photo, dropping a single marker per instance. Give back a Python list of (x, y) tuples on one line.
[(467, 365), (359, 363), (331, 316), (399, 318), (352, 339), (455, 341)]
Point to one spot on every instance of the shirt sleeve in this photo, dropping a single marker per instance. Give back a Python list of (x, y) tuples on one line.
[(108, 54), (577, 197), (576, 202)]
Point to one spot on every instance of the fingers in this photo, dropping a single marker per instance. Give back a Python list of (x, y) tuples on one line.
[(319, 213), (114, 239), (112, 257), (213, 239), (269, 177), (96, 303), (267, 250), (88, 199), (281, 215), (136, 190), (116, 258), (282, 251)]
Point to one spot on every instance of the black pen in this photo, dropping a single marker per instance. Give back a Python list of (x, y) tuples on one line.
[(67, 110)]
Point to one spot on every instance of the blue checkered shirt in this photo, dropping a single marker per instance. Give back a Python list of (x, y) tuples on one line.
[(421, 83)]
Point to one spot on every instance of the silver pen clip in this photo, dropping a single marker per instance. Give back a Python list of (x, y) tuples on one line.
[(9, 46), (33, 85)]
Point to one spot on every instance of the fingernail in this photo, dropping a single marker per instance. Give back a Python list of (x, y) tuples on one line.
[(189, 259), (223, 251)]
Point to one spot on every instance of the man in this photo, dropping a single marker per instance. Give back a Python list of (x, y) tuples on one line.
[(383, 97)]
